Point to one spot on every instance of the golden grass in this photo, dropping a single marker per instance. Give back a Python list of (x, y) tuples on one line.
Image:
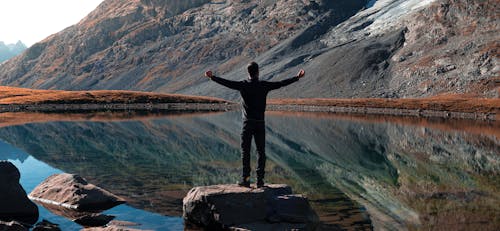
[(13, 95), (451, 103)]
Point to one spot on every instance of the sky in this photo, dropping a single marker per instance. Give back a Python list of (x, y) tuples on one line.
[(33, 20)]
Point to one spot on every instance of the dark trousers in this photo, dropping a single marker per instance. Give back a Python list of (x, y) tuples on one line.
[(257, 130)]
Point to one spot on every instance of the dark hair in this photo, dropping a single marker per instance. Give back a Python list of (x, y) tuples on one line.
[(253, 70)]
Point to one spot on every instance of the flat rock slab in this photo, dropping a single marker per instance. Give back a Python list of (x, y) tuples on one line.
[(73, 192), (235, 207), (14, 204)]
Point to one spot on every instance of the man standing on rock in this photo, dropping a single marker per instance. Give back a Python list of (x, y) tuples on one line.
[(254, 94)]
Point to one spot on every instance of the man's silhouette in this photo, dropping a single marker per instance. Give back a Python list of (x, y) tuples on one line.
[(254, 94)]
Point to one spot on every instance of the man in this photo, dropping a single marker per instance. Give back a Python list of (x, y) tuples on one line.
[(254, 94)]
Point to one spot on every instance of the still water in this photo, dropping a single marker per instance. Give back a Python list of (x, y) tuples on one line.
[(358, 172)]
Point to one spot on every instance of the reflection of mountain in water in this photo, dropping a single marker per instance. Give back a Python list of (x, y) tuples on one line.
[(7, 152), (400, 174)]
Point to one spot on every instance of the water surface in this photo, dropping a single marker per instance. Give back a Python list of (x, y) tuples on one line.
[(357, 172)]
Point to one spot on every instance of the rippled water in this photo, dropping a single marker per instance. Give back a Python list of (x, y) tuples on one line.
[(357, 172)]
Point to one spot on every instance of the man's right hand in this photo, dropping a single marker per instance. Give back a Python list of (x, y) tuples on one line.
[(301, 73), (209, 74)]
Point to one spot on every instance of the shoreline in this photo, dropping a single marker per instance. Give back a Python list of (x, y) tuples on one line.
[(221, 107), (450, 106), (89, 107), (385, 111)]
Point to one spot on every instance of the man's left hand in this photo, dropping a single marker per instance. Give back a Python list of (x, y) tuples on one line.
[(301, 73), (209, 74)]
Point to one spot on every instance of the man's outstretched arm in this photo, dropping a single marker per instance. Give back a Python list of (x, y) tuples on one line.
[(276, 85), (236, 85)]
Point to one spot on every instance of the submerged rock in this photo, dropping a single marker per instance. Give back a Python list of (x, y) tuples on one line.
[(94, 220), (112, 228), (73, 192), (83, 218), (239, 208), (14, 204), (12, 226), (45, 225)]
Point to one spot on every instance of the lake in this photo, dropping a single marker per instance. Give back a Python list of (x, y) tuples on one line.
[(358, 172)]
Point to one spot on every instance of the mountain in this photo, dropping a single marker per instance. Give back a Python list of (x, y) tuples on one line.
[(8, 51), (349, 48)]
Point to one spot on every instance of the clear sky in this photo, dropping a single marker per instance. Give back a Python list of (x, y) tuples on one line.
[(33, 20)]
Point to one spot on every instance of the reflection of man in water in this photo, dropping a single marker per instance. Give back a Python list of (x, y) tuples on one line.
[(254, 93)]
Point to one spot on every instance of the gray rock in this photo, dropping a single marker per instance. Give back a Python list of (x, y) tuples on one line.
[(73, 192), (239, 208), (14, 204)]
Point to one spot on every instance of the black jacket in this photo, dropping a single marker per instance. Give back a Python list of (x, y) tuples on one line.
[(254, 94)]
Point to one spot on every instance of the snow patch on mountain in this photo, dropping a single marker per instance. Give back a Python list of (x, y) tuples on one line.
[(385, 15)]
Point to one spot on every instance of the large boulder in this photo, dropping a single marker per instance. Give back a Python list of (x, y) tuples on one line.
[(14, 204), (73, 192), (274, 207)]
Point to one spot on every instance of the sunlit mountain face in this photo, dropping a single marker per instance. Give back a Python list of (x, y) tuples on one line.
[(356, 173), (361, 48)]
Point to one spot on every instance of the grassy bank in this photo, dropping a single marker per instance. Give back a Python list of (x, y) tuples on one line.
[(454, 106), (23, 96)]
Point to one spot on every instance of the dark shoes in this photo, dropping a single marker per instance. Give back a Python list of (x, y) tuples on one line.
[(244, 182), (260, 183)]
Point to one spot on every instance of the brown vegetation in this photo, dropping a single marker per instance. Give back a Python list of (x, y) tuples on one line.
[(451, 103), (12, 95)]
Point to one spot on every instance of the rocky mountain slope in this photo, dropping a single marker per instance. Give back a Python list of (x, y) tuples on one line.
[(387, 48), (8, 51)]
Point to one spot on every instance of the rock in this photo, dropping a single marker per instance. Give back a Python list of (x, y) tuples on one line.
[(239, 208), (45, 225), (123, 223), (293, 209), (73, 192), (263, 226), (94, 220), (86, 219), (12, 226), (111, 228), (14, 204)]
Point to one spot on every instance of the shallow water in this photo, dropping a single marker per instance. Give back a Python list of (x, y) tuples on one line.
[(358, 172), (370, 3)]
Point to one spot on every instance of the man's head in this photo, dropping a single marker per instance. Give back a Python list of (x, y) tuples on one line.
[(253, 70)]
